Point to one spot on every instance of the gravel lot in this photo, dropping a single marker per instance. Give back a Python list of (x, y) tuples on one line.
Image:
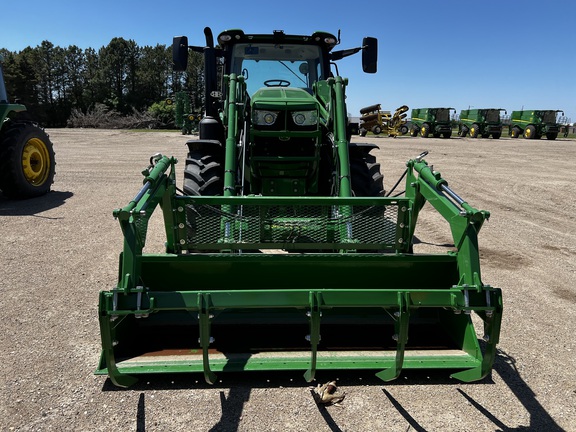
[(60, 250)]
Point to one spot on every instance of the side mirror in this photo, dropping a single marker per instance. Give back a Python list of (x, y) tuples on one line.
[(180, 53), (370, 54)]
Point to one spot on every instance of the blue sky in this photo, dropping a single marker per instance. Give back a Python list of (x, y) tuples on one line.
[(483, 54)]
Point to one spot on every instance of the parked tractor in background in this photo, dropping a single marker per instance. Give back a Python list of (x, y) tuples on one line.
[(375, 120), (480, 122), (534, 124), (431, 121), (184, 117), (27, 163), (281, 252)]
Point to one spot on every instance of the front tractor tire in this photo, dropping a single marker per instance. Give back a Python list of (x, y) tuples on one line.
[(203, 174), (27, 164), (425, 130), (366, 177), (530, 132), (474, 131)]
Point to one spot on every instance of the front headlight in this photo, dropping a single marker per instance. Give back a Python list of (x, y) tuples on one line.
[(265, 118), (305, 118)]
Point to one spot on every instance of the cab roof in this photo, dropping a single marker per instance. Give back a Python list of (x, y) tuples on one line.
[(231, 37)]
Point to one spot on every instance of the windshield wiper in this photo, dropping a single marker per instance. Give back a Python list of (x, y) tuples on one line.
[(293, 73)]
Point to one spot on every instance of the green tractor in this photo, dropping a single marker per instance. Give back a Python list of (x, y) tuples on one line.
[(481, 123), (184, 117), (431, 121), (534, 124), (27, 164), (281, 250)]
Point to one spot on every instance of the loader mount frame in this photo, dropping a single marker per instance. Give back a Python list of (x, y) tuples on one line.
[(346, 293)]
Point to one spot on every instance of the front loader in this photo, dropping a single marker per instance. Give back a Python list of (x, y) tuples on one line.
[(282, 251)]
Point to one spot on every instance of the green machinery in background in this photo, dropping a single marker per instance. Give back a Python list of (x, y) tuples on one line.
[(184, 117), (281, 250), (431, 121), (534, 124), (483, 123), (373, 119), (27, 164)]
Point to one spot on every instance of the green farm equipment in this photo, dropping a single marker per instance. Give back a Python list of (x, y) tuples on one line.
[(27, 163), (184, 117), (534, 124), (377, 121), (281, 251), (434, 121), (480, 122)]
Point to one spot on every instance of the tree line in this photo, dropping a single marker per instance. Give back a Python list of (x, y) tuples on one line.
[(56, 83)]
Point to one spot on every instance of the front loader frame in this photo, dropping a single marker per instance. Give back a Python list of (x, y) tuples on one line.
[(356, 255)]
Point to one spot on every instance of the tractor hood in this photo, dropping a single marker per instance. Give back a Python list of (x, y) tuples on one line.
[(283, 98)]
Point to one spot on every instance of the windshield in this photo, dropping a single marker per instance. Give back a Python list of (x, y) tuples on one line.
[(443, 115), (493, 116), (285, 65), (549, 117)]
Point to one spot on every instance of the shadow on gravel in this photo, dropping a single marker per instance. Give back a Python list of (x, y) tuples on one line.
[(418, 241), (33, 206), (239, 385), (540, 420), (411, 421), (141, 414), (326, 415), (232, 407), (505, 366)]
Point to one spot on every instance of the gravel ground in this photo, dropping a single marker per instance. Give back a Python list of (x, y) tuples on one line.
[(60, 250)]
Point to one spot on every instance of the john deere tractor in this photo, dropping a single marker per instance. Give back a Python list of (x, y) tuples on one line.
[(26, 154), (281, 251)]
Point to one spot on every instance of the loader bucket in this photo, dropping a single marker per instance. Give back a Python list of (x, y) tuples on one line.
[(296, 283)]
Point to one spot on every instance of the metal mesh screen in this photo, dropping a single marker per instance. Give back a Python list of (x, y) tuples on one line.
[(293, 226)]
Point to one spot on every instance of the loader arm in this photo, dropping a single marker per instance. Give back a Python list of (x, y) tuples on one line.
[(195, 296)]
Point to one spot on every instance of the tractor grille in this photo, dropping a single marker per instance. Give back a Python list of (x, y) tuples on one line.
[(293, 226)]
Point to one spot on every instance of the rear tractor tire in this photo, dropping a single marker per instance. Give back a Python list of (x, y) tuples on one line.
[(27, 164), (515, 132)]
